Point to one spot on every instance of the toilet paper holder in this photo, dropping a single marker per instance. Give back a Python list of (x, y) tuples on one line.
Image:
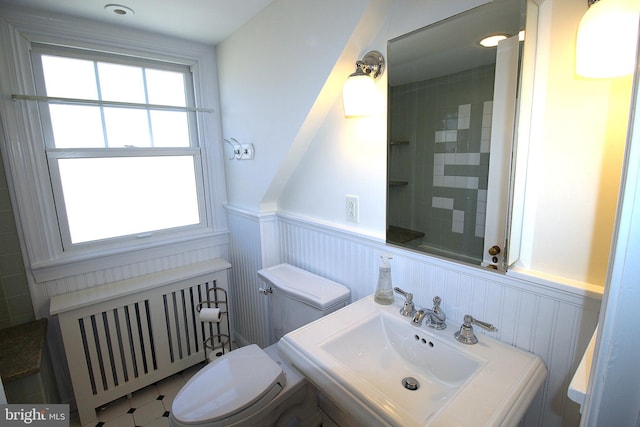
[(219, 340)]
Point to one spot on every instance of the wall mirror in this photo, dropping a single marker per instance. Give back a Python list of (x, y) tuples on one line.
[(452, 111)]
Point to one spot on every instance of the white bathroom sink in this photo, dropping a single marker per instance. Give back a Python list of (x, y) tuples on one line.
[(360, 355)]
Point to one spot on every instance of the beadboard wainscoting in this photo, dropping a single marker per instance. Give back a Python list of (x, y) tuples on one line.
[(553, 322), (248, 309)]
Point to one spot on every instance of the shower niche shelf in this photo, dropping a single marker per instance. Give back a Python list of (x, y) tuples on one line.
[(403, 153)]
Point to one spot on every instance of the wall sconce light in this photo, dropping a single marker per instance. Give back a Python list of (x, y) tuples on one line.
[(359, 93), (607, 38)]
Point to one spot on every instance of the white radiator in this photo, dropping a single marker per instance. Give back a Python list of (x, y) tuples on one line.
[(123, 336)]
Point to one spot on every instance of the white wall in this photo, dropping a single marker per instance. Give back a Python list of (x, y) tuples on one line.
[(613, 397), (308, 156), (578, 135), (277, 82)]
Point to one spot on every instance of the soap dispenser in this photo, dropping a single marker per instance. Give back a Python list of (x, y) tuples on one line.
[(384, 290)]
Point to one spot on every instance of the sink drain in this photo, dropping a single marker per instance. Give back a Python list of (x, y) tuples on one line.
[(410, 383)]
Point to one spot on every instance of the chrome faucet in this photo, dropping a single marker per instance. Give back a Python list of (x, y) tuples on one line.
[(435, 316)]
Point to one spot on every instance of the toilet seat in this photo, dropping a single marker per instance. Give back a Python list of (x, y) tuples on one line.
[(230, 388)]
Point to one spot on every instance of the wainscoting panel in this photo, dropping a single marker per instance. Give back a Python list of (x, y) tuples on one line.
[(248, 311), (554, 323), (551, 321)]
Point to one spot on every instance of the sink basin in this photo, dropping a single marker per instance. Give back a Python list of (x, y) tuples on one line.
[(381, 352), (382, 370)]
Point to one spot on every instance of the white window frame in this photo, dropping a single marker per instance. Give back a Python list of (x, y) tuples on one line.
[(54, 154), (24, 148)]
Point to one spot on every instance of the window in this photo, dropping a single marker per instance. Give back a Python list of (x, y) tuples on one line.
[(121, 145), (112, 147)]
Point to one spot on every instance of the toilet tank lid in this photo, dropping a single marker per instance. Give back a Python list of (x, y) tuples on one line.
[(305, 286)]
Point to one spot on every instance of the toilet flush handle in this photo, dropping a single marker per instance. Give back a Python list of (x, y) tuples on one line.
[(265, 291)]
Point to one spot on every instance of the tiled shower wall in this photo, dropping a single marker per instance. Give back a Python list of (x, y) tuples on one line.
[(15, 301), (445, 124), (551, 322)]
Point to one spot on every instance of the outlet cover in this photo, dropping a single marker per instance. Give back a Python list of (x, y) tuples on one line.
[(353, 210)]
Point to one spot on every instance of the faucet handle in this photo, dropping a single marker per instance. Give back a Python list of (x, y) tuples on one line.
[(436, 308), (488, 326), (408, 308), (408, 295), (465, 335)]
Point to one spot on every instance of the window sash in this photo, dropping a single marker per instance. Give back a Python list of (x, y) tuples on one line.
[(38, 50), (53, 157)]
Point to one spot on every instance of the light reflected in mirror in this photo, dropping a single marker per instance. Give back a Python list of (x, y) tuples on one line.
[(451, 113)]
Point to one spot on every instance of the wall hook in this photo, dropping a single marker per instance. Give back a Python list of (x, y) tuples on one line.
[(236, 147), (240, 151)]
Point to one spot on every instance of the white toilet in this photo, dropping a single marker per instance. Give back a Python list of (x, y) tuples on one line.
[(254, 387)]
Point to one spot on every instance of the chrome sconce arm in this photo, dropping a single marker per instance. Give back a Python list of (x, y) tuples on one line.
[(371, 65)]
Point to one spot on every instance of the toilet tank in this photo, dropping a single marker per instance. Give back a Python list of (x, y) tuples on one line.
[(299, 297)]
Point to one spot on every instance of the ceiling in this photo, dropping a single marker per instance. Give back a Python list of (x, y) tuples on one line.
[(206, 21)]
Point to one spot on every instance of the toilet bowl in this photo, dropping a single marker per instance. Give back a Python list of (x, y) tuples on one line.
[(246, 387), (255, 387)]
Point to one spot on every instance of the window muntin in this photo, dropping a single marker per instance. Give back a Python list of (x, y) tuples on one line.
[(119, 172)]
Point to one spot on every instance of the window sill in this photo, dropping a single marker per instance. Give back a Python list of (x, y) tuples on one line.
[(68, 265)]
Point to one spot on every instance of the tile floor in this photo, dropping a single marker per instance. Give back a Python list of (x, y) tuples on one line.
[(148, 407)]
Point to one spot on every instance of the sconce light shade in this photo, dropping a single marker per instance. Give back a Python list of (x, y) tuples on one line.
[(607, 39), (359, 94)]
